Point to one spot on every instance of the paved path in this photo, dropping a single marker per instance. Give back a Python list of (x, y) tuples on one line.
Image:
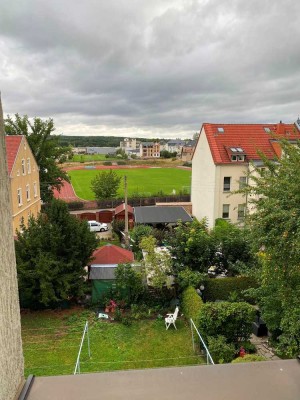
[(263, 348), (66, 193)]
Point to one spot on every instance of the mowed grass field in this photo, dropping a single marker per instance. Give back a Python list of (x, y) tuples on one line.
[(140, 181), (51, 342)]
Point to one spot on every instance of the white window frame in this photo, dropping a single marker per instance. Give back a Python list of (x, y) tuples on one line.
[(242, 182), (227, 212), (241, 211), (23, 167), (35, 189), (28, 166), (27, 192), (19, 197), (226, 186)]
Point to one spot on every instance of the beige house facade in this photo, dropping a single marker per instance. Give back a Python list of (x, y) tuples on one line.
[(222, 158), (24, 180), (149, 150)]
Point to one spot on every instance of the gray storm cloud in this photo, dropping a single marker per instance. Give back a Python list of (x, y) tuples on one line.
[(150, 68)]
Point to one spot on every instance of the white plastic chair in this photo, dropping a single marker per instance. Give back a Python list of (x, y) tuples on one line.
[(171, 318)]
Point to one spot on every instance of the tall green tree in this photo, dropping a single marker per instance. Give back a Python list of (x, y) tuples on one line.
[(51, 255), (192, 246), (233, 243), (45, 148), (105, 185), (275, 230), (129, 282)]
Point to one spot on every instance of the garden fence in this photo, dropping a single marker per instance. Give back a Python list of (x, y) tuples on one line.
[(209, 359), (134, 202), (85, 332)]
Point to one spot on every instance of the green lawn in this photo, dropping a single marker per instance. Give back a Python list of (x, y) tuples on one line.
[(51, 342), (141, 181)]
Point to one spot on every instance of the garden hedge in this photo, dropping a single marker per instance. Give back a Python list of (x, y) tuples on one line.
[(222, 289), (231, 320), (191, 304)]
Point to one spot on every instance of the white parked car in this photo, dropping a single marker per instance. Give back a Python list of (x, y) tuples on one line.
[(97, 226)]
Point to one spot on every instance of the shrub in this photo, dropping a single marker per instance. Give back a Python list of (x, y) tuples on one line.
[(248, 346), (232, 320), (129, 283), (75, 205), (107, 163), (220, 350), (140, 311), (118, 226), (118, 315), (187, 278), (121, 162), (248, 358), (187, 164), (191, 304), (227, 288)]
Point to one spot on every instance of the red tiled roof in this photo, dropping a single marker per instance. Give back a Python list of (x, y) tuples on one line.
[(252, 138), (121, 208), (12, 146), (111, 254)]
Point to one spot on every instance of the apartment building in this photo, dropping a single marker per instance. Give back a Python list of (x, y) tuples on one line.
[(222, 158), (149, 150), (131, 146), (24, 180)]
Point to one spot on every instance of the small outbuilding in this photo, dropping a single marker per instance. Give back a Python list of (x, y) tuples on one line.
[(120, 214), (102, 268)]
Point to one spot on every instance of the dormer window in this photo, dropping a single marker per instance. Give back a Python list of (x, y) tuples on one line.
[(236, 154), (267, 129), (220, 129), (238, 157)]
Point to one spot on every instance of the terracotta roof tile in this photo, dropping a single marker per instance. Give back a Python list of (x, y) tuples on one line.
[(252, 138), (12, 146), (121, 208), (111, 254)]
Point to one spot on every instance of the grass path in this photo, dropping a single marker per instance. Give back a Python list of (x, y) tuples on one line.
[(51, 342), (142, 181)]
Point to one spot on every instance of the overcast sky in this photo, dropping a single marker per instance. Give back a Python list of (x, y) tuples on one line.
[(150, 68)]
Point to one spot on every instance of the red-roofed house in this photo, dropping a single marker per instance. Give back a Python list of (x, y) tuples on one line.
[(222, 158), (24, 180), (111, 254), (102, 268)]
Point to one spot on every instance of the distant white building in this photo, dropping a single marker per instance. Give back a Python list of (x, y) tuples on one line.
[(174, 146), (130, 146), (101, 150), (223, 155), (79, 150)]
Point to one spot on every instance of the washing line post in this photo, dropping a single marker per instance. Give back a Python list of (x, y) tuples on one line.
[(88, 338), (193, 336), (86, 330)]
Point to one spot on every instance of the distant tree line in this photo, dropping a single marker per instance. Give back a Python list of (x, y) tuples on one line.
[(96, 141)]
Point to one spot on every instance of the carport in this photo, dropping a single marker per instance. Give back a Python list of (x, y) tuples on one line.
[(160, 215)]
